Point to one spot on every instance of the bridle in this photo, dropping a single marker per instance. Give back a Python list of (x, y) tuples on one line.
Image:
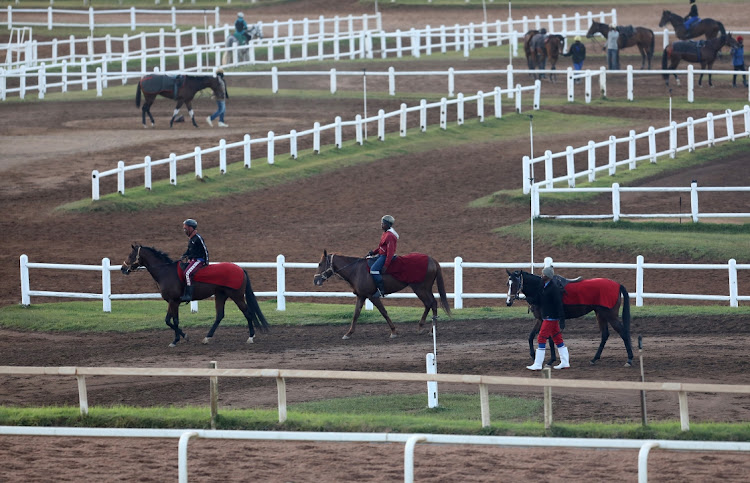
[(330, 271), (136, 265), (517, 295)]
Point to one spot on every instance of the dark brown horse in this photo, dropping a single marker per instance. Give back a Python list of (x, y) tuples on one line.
[(707, 26), (182, 89), (357, 273), (164, 271), (530, 285), (704, 53), (537, 55), (554, 45), (640, 36)]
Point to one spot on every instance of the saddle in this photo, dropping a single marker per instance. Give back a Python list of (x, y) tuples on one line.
[(626, 31), (156, 83), (562, 281)]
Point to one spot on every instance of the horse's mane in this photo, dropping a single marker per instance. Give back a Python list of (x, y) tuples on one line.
[(165, 258)]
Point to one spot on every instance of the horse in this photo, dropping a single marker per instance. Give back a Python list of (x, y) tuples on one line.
[(180, 88), (223, 281), (641, 37), (553, 46), (535, 56), (706, 26), (602, 296), (253, 32), (423, 272), (704, 52)]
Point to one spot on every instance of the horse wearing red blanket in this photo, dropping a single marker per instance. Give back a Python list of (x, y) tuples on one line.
[(599, 295), (415, 270)]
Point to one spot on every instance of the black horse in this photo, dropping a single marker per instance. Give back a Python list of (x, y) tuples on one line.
[(707, 26), (704, 53), (180, 88), (227, 281), (577, 303)]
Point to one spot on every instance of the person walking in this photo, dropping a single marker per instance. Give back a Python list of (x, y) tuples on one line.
[(221, 103), (196, 256), (578, 52), (553, 314), (738, 61), (380, 258), (613, 50)]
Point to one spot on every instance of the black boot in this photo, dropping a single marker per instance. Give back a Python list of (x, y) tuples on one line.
[(379, 291), (188, 295)]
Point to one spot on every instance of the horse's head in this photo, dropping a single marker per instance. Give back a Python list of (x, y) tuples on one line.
[(666, 17), (731, 41), (515, 286), (593, 29), (133, 262), (325, 269), (255, 32)]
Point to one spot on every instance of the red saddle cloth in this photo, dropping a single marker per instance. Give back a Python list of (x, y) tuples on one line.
[(592, 291), (224, 274), (409, 268)]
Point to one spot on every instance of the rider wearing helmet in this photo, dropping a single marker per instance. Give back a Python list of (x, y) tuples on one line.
[(196, 256), (240, 25), (380, 258), (692, 16)]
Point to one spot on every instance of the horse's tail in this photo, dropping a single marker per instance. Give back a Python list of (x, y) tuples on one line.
[(259, 320), (625, 310), (138, 95), (441, 290), (664, 58)]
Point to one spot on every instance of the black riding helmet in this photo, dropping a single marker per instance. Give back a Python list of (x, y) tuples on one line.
[(190, 222)]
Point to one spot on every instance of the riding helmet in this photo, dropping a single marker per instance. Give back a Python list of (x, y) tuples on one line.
[(577, 38), (190, 222), (241, 15), (388, 219), (548, 272)]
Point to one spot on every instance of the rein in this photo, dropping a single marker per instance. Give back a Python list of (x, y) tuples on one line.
[(325, 275), (137, 261)]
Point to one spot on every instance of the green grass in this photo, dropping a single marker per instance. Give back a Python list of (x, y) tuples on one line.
[(129, 316)]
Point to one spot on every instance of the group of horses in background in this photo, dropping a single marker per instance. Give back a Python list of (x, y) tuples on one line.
[(703, 52)]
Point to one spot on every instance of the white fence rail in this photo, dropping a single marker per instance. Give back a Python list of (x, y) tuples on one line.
[(632, 158), (617, 214), (409, 440), (282, 292), (359, 126)]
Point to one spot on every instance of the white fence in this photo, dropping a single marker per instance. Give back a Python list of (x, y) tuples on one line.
[(617, 214), (650, 137), (458, 295), (408, 439), (359, 126)]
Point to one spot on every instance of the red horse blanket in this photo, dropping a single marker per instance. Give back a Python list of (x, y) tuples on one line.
[(409, 268), (592, 291), (224, 274)]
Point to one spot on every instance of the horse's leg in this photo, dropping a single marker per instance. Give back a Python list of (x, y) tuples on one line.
[(221, 299), (532, 335), (189, 104), (357, 310), (552, 351), (604, 329), (381, 308), (248, 313), (429, 304), (176, 111), (620, 329), (643, 56), (173, 314)]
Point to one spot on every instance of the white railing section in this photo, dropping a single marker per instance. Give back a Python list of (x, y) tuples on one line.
[(359, 126), (668, 140), (458, 265), (616, 190), (409, 440)]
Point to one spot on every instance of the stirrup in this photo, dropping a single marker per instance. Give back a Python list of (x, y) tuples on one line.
[(377, 294)]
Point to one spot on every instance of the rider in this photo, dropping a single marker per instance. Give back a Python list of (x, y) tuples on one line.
[(240, 26), (553, 314), (380, 258), (692, 16), (196, 256)]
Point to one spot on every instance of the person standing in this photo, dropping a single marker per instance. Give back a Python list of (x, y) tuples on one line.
[(578, 52), (613, 52), (738, 61), (196, 256), (553, 314), (221, 105), (380, 259), (692, 16)]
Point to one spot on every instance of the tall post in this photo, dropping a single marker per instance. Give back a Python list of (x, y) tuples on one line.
[(644, 418), (214, 390), (547, 374)]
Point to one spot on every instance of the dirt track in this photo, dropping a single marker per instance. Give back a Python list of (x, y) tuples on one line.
[(50, 150)]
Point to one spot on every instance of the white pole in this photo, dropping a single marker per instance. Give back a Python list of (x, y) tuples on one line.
[(205, 35), (670, 106), (531, 181), (510, 42), (484, 8), (364, 93)]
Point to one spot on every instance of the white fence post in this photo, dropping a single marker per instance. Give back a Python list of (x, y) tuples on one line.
[(615, 201), (198, 163), (121, 177), (694, 201), (631, 149), (247, 152), (673, 140), (592, 161), (271, 153), (106, 286), (280, 283), (733, 289), (95, 185), (25, 297), (630, 82), (612, 155), (691, 134), (710, 129), (458, 283), (690, 83), (571, 167), (639, 281)]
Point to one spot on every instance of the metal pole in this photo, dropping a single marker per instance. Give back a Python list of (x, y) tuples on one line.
[(670, 106), (205, 35), (364, 93), (531, 181), (510, 29), (644, 418), (484, 8)]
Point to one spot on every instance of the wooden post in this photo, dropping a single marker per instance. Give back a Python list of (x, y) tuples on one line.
[(281, 387), (214, 384), (644, 417), (684, 416), (82, 395), (484, 402), (547, 374)]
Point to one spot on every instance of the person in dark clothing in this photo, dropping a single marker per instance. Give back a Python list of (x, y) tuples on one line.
[(553, 314), (196, 256), (738, 61), (692, 16), (578, 52)]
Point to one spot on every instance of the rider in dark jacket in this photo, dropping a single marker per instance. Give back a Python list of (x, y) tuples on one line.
[(692, 16), (196, 256)]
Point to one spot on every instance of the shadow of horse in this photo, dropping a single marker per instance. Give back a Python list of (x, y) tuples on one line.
[(580, 298), (642, 37), (707, 26), (356, 273), (180, 88), (704, 53), (234, 54)]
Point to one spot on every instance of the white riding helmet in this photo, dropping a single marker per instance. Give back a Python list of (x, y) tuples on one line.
[(241, 15)]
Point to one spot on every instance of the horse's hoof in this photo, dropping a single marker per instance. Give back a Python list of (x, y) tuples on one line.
[(346, 337), (206, 340), (394, 335)]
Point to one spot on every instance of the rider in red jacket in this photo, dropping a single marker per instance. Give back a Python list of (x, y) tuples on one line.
[(380, 258)]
